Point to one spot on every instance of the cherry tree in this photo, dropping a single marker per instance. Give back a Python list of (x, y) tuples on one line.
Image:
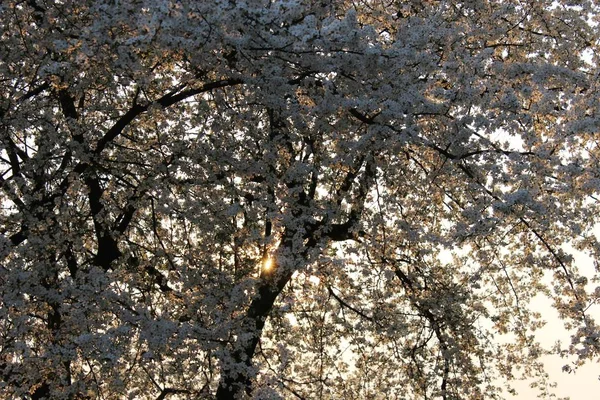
[(293, 199)]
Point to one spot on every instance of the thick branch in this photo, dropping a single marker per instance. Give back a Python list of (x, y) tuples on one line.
[(345, 230), (108, 250), (234, 383), (165, 101)]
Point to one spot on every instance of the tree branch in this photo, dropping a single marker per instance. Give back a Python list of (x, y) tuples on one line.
[(165, 101)]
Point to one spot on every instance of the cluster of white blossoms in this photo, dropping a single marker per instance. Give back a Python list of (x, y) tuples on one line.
[(251, 199)]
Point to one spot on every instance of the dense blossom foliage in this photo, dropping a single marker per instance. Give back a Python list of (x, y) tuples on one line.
[(293, 199)]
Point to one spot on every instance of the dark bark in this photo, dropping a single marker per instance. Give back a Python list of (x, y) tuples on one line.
[(41, 392), (233, 384)]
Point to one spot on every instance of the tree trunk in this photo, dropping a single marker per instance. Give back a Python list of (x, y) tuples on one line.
[(233, 381)]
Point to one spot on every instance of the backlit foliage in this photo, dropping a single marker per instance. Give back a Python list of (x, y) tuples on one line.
[(293, 199)]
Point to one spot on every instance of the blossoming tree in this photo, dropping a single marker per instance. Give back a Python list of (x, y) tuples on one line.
[(293, 199)]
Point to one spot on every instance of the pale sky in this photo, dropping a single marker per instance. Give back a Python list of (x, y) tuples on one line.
[(582, 385)]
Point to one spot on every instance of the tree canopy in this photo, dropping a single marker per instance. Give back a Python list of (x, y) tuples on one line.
[(293, 199)]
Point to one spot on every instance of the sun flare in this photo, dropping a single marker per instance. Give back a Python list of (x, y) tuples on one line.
[(268, 264)]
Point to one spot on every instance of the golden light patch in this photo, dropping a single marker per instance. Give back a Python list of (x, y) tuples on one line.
[(268, 264)]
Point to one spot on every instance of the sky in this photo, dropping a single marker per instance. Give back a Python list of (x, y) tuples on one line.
[(584, 384)]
